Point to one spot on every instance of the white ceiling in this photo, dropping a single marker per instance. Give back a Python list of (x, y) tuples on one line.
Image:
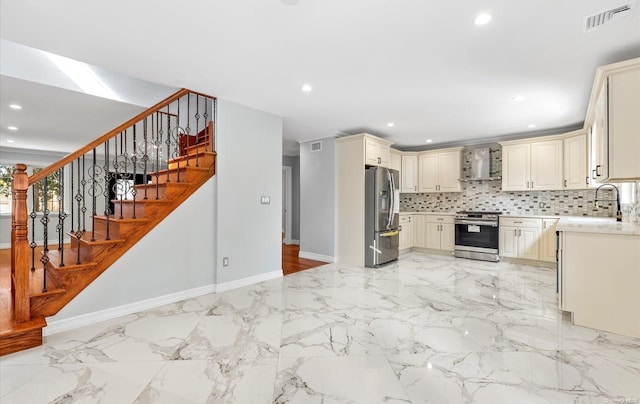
[(421, 64)]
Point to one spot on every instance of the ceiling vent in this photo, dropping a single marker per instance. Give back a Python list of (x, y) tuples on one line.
[(597, 20), (316, 146)]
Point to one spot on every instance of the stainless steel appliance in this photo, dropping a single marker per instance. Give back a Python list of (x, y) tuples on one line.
[(477, 235), (382, 211)]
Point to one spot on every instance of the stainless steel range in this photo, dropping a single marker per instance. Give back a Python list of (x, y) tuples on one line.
[(477, 235)]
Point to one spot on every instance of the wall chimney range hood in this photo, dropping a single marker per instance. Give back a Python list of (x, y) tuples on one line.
[(480, 166)]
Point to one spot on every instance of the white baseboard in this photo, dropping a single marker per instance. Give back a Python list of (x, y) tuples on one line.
[(316, 257), (222, 287), (71, 323), (290, 241), (57, 326)]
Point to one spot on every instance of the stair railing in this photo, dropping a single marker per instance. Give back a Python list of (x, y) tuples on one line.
[(69, 203)]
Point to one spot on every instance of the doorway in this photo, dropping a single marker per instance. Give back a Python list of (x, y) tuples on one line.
[(287, 189)]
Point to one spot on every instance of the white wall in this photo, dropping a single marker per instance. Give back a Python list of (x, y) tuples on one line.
[(317, 200), (176, 255), (249, 146)]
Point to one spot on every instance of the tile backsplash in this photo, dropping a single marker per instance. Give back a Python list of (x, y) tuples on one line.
[(488, 196)]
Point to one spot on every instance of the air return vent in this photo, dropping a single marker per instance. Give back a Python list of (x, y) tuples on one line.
[(594, 21), (315, 146)]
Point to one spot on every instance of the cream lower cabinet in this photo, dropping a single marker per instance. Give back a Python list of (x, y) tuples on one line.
[(548, 242), (406, 232), (420, 231), (519, 238), (439, 233)]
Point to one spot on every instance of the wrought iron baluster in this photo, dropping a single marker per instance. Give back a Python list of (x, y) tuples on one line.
[(158, 149), (176, 138), (105, 193), (94, 196), (119, 184), (84, 193), (187, 130), (62, 215), (33, 216), (197, 117), (168, 143), (145, 156), (79, 197), (206, 125), (45, 232), (134, 162)]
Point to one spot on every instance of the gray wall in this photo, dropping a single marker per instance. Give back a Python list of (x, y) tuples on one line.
[(249, 166), (294, 163), (317, 199)]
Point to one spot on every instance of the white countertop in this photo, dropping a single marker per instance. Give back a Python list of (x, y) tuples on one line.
[(597, 225), (429, 213)]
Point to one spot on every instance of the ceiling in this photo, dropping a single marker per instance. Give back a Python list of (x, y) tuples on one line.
[(421, 64)]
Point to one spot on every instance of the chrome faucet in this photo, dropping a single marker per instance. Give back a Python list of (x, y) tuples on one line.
[(618, 210)]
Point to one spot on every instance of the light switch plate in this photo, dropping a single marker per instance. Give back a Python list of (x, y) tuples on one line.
[(265, 200)]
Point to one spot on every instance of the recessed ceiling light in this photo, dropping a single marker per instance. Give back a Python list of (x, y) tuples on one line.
[(10, 141), (289, 2), (15, 106), (482, 19), (518, 98), (531, 125), (306, 88), (12, 128), (390, 124), (429, 140)]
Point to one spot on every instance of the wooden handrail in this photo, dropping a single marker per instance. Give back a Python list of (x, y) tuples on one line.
[(47, 171)]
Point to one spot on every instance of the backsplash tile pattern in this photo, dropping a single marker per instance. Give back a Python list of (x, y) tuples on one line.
[(488, 196)]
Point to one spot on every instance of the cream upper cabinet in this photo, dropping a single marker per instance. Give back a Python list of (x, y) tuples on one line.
[(516, 167), (532, 165), (409, 177), (376, 152), (548, 244), (439, 171), (576, 175), (428, 169), (615, 121), (395, 161), (546, 165)]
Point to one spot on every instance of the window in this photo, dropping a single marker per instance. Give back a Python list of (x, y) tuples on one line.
[(6, 177), (54, 184), (53, 189)]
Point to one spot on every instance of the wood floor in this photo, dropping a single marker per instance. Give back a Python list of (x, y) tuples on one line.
[(291, 263)]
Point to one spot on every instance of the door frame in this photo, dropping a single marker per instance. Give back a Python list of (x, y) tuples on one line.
[(287, 187)]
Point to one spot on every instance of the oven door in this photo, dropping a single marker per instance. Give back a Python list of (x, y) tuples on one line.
[(476, 236)]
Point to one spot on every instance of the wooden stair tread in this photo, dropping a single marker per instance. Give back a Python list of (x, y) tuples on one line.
[(182, 168), (140, 201), (163, 184), (100, 239), (70, 257), (13, 327), (125, 220), (202, 154)]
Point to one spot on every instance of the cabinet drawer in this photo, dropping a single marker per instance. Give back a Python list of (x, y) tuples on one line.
[(521, 222), (439, 219)]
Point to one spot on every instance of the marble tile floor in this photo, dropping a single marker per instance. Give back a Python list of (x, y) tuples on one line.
[(427, 329)]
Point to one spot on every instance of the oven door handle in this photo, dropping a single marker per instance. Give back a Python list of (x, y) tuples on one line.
[(471, 222)]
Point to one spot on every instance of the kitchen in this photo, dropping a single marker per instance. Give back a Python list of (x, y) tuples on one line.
[(536, 187)]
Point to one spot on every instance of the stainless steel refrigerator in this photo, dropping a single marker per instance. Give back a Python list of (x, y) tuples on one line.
[(382, 208)]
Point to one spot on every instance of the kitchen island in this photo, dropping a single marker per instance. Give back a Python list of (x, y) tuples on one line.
[(599, 273)]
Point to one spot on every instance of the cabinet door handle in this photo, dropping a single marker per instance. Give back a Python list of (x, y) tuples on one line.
[(531, 184), (597, 172), (544, 225), (593, 174), (565, 183), (515, 233), (586, 180), (415, 188), (409, 219), (379, 160), (517, 222)]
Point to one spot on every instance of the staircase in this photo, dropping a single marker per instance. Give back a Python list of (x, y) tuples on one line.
[(108, 195)]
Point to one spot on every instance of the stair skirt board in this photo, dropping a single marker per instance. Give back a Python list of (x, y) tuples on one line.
[(57, 326), (316, 257)]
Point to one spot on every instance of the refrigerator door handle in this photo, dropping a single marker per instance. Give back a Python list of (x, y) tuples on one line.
[(392, 198)]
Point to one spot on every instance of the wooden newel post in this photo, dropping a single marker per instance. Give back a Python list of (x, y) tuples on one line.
[(20, 255)]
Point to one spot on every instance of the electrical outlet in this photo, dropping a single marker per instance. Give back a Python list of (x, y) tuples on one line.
[(225, 261)]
